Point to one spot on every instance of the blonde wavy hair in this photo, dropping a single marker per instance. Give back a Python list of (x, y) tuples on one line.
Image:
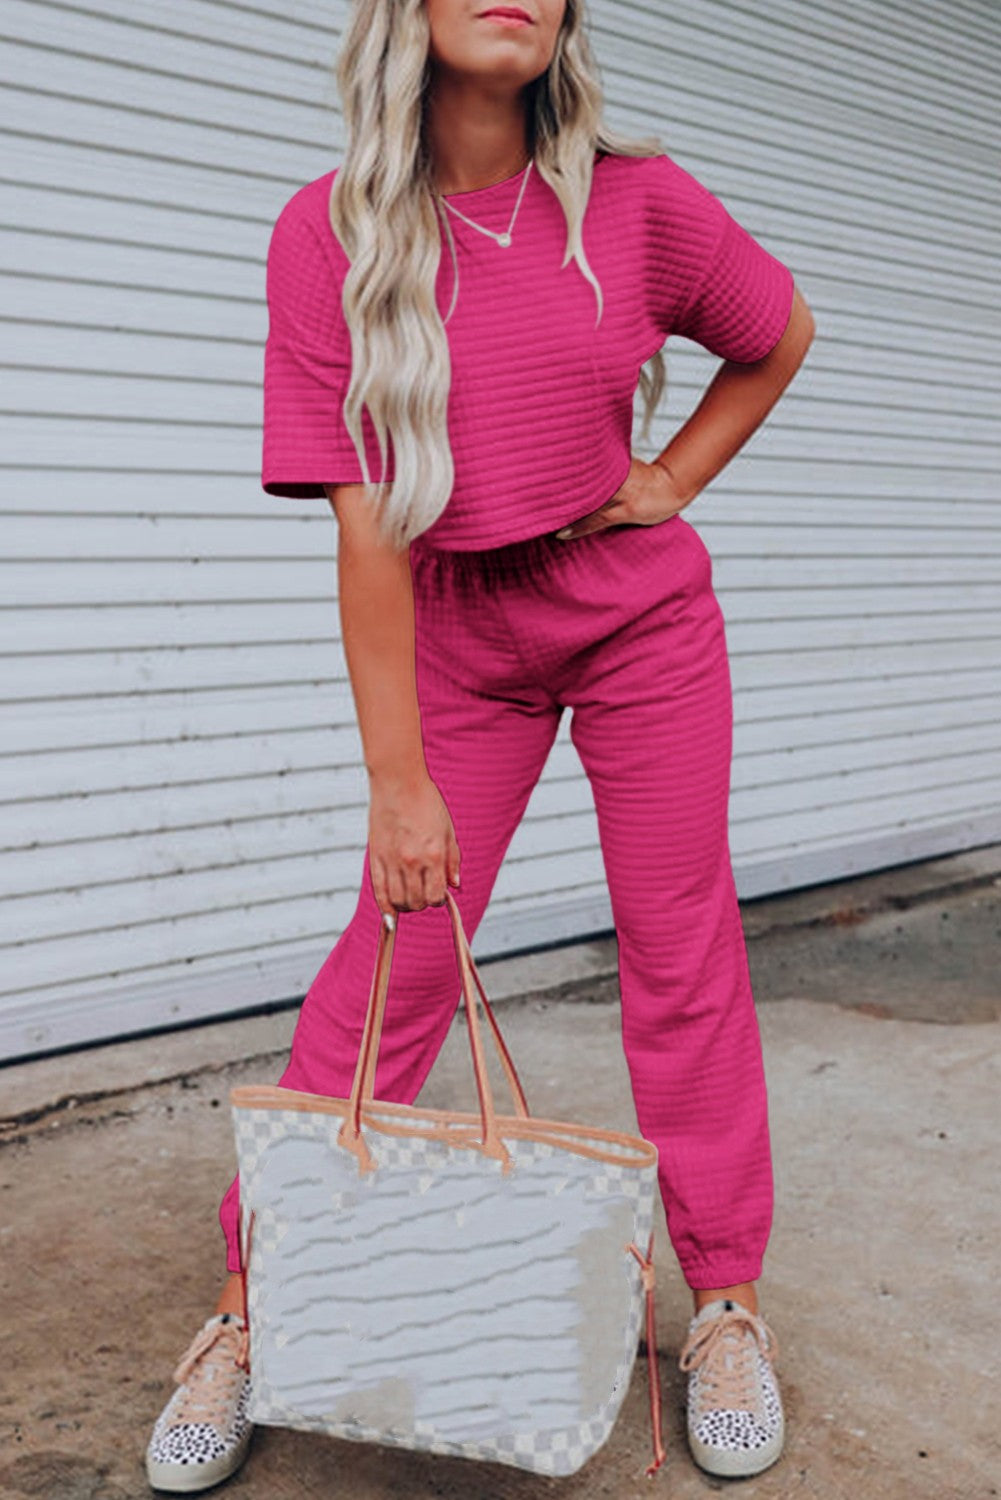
[(385, 210)]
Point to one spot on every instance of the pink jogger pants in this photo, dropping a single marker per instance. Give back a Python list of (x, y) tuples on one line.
[(621, 626)]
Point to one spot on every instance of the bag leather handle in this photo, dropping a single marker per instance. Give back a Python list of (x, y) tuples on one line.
[(491, 1143)]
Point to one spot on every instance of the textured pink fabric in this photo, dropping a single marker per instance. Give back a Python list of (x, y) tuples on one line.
[(623, 627), (541, 401)]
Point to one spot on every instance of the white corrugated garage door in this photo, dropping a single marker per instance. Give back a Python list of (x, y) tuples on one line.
[(184, 801)]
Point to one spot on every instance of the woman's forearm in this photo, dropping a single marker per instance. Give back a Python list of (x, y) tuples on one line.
[(734, 404), (377, 628)]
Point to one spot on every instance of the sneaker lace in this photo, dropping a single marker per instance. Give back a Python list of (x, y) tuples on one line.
[(211, 1370), (721, 1349)]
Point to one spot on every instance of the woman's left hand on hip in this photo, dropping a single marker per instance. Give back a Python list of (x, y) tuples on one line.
[(646, 497)]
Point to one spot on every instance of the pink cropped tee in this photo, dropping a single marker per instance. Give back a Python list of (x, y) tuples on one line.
[(540, 409)]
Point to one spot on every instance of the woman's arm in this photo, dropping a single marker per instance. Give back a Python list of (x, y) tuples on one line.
[(377, 628), (736, 401), (412, 845), (734, 404)]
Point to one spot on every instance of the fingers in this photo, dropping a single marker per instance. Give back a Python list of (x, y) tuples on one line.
[(443, 872), (379, 890), (398, 886), (403, 886), (570, 532), (406, 885), (610, 514), (413, 851)]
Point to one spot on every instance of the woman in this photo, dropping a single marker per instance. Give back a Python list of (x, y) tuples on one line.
[(513, 559)]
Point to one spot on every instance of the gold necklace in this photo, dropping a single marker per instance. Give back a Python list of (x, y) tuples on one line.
[(504, 237)]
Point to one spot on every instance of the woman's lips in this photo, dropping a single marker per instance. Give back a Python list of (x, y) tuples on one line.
[(507, 16)]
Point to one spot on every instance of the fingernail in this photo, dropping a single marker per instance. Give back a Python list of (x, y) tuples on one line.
[(567, 531)]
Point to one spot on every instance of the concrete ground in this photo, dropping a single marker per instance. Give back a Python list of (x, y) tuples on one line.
[(880, 1009)]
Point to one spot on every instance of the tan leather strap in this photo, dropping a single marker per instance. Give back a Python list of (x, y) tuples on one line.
[(243, 1255), (649, 1283), (491, 1142), (507, 1062)]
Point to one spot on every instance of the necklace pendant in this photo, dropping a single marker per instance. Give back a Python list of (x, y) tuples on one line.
[(504, 239)]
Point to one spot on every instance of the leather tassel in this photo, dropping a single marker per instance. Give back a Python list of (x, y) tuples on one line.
[(244, 1256), (649, 1284)]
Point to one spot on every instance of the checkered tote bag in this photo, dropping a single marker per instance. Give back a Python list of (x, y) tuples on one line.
[(471, 1284)]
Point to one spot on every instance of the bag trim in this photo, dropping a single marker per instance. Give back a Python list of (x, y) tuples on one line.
[(456, 1127)]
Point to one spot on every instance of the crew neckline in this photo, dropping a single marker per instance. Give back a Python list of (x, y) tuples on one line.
[(491, 187)]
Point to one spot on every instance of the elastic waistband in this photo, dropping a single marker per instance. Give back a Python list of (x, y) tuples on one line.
[(522, 561), (490, 567)]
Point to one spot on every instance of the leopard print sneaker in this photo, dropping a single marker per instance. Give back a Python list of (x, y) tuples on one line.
[(203, 1433), (735, 1421)]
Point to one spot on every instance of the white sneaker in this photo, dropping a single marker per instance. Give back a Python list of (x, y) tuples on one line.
[(734, 1418), (203, 1433)]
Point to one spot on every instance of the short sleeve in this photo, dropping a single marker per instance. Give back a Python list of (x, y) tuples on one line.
[(724, 290), (307, 360)]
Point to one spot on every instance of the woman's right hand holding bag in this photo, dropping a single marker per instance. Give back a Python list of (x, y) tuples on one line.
[(413, 853)]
